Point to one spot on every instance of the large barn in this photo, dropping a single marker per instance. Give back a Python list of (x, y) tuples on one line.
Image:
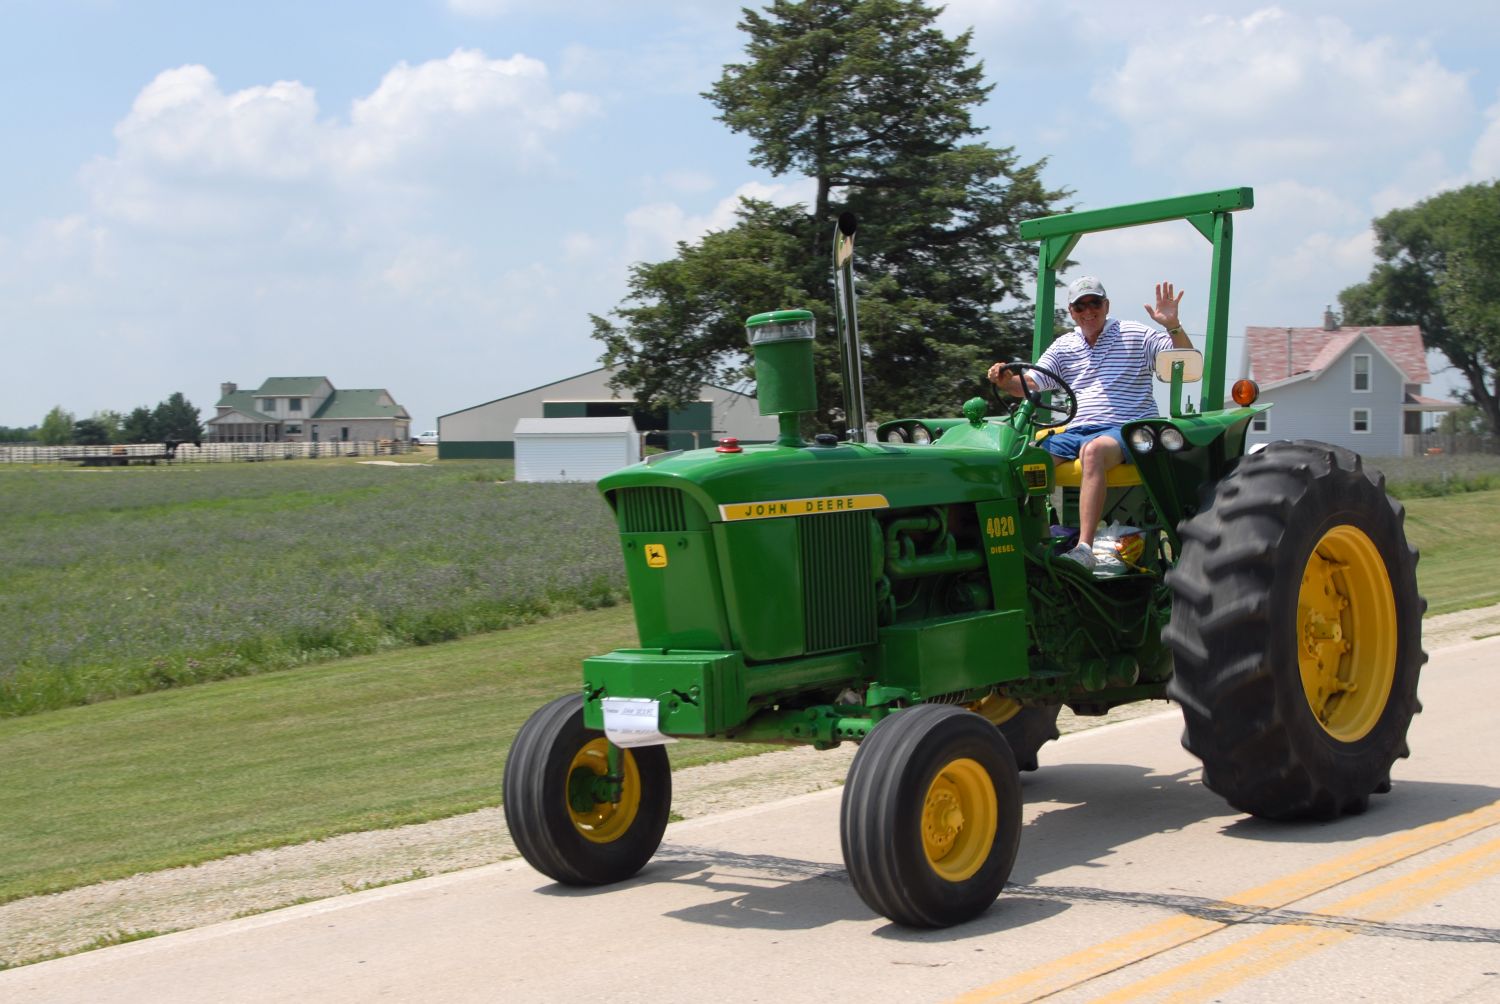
[(488, 430)]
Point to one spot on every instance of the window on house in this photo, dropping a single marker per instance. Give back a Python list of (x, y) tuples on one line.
[(294, 404), (294, 430), (1360, 420), (1362, 373), (268, 405), (344, 434), (1261, 422)]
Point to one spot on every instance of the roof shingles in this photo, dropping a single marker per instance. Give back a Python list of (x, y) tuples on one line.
[(1278, 354)]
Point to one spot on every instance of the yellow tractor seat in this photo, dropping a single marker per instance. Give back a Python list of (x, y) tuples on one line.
[(1069, 473)]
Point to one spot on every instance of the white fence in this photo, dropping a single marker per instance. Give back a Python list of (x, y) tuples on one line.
[(208, 453)]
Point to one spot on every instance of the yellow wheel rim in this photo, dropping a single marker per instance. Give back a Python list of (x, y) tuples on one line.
[(997, 710), (606, 821), (959, 818), (1346, 633)]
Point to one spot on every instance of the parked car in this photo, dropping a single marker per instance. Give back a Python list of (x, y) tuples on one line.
[(428, 438)]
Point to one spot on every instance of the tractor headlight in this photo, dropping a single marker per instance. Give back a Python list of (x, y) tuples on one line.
[(1141, 440), (895, 436), (920, 436), (1171, 438)]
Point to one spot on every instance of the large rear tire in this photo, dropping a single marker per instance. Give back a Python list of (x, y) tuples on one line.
[(1026, 729), (552, 806), (931, 817), (1296, 633)]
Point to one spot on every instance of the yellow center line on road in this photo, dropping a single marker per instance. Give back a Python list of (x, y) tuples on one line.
[(1270, 950), (1127, 949)]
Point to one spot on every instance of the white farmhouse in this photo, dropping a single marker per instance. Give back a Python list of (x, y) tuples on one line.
[(1357, 387)]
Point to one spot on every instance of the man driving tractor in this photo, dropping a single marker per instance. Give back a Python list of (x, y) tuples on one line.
[(1109, 364)]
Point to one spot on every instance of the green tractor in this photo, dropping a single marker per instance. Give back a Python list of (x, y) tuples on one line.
[(908, 594)]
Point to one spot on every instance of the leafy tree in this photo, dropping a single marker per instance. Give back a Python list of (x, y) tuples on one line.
[(873, 102), (1464, 421), (16, 434), (90, 432), (113, 422), (57, 427), (139, 427), (1439, 267), (176, 418)]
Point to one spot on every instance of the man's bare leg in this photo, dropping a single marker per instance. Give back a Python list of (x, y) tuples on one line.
[(1098, 457)]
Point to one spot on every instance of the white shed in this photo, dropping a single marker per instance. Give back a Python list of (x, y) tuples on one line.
[(574, 449)]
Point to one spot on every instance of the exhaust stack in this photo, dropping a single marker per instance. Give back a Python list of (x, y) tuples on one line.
[(848, 318)]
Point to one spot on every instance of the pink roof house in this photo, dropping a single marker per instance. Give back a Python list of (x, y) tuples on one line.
[(1359, 387)]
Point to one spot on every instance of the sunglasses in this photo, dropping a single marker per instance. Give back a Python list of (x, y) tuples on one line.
[(1088, 303)]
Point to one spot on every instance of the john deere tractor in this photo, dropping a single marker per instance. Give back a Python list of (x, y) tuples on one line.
[(905, 592)]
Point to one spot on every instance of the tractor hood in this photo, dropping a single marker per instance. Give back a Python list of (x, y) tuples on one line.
[(762, 481)]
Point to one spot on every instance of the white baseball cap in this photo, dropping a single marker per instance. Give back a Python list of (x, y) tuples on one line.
[(1085, 286)]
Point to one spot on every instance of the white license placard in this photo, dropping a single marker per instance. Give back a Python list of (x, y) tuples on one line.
[(632, 721)]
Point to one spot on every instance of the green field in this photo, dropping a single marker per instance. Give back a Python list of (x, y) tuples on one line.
[(189, 774), (124, 580)]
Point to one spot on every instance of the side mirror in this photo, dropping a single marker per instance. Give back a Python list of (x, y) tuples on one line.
[(1192, 364)]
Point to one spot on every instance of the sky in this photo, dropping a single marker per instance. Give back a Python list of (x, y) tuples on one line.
[(433, 196)]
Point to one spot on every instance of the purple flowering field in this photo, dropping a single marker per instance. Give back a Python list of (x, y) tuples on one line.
[(120, 580)]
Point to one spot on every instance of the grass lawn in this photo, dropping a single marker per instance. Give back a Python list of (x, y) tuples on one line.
[(1459, 537), (186, 775), (363, 743)]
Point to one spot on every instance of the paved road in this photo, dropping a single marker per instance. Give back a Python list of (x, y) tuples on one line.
[(1133, 883)]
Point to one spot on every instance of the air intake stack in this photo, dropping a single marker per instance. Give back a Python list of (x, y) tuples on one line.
[(784, 384)]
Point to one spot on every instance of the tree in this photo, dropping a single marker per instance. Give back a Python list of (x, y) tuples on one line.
[(873, 102), (57, 427), (139, 427), (113, 423), (17, 434), (1466, 421), (1439, 267), (176, 418), (90, 432)]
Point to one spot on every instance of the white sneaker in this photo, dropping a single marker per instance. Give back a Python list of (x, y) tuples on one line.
[(1083, 554)]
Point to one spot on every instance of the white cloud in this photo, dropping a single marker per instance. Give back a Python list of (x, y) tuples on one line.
[(424, 266), (1484, 162), (502, 107), (191, 158), (1278, 92), (653, 230)]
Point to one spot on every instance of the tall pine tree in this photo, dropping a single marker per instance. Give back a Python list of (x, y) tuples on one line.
[(873, 102)]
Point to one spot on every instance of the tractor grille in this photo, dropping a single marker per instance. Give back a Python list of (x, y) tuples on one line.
[(838, 585), (651, 510)]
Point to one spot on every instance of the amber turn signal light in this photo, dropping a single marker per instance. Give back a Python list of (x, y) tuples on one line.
[(1244, 392)]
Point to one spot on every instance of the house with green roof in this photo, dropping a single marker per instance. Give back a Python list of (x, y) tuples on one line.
[(305, 409)]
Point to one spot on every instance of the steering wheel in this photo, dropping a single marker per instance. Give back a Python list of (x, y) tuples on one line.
[(1042, 414)]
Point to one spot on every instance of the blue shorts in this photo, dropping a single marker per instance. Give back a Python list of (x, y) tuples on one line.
[(1067, 443)]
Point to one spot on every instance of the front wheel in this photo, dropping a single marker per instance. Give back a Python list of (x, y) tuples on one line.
[(1297, 633), (931, 817), (558, 799)]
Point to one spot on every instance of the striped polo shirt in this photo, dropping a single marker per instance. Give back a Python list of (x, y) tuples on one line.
[(1112, 378)]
